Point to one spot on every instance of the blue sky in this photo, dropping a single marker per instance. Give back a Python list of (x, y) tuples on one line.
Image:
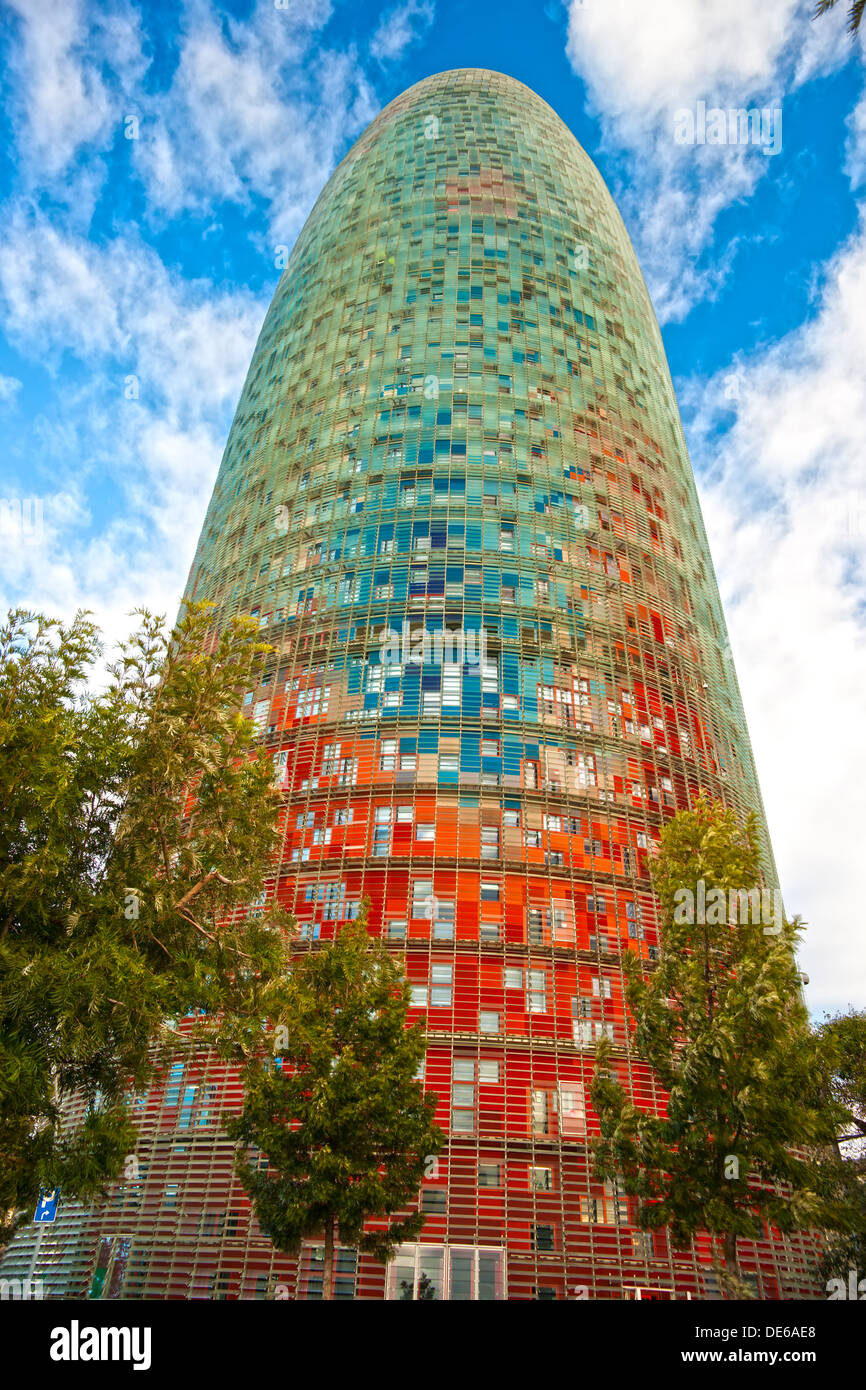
[(155, 156)]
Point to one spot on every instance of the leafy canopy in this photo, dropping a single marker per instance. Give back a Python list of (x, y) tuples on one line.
[(840, 1043), (722, 1024), (136, 823), (338, 1109)]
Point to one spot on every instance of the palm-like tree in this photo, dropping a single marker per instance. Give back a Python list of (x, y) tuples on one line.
[(855, 13)]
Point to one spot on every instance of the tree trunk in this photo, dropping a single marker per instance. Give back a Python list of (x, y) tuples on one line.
[(328, 1269), (732, 1264)]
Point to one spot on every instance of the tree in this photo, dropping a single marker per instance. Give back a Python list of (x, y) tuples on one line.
[(841, 1046), (338, 1110), (722, 1024), (845, 1038), (136, 823), (855, 13)]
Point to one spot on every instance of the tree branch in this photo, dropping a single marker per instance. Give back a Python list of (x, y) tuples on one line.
[(202, 883)]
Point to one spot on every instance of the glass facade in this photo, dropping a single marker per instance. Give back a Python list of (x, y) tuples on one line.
[(456, 495)]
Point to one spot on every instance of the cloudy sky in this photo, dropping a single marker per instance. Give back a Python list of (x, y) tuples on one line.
[(156, 159)]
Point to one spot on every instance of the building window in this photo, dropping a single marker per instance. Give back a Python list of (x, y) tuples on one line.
[(489, 1175), (541, 1179), (543, 1239), (463, 1096), (608, 1208), (310, 1274), (172, 1092), (423, 901), (561, 921), (488, 1021), (443, 919), (560, 1110), (219, 1285), (489, 842), (536, 992), (434, 1201), (535, 926), (539, 1112), (587, 1031), (572, 1112), (456, 1273), (440, 992)]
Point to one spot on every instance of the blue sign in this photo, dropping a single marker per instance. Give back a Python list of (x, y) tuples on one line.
[(46, 1207)]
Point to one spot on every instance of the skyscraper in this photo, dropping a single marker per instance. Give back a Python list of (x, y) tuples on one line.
[(456, 495)]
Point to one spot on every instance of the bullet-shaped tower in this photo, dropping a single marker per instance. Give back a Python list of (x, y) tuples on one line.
[(457, 496)]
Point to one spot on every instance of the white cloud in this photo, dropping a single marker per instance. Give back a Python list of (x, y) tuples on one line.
[(784, 492), (189, 345), (258, 109), (67, 103), (643, 63), (55, 295), (255, 109), (255, 112), (9, 388), (785, 507), (399, 27), (69, 67), (124, 481), (668, 53), (855, 144)]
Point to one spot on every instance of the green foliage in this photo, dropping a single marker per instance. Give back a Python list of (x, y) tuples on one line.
[(723, 1027), (338, 1111), (845, 1244), (841, 1044), (844, 1037), (133, 822)]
